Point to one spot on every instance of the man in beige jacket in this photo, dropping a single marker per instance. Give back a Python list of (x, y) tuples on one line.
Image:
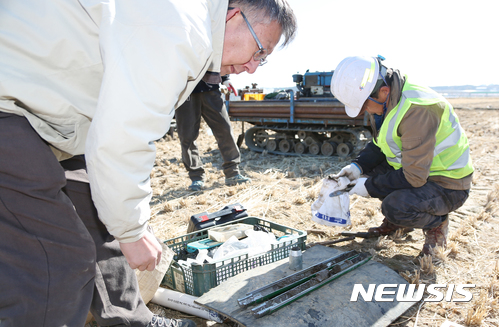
[(100, 79)]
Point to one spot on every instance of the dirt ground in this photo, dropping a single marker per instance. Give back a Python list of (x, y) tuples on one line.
[(283, 189)]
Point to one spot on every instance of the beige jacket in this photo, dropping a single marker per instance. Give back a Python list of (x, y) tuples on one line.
[(102, 78)]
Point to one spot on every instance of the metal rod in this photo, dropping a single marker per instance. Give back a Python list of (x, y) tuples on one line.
[(285, 104), (302, 110), (331, 242), (324, 277), (290, 281)]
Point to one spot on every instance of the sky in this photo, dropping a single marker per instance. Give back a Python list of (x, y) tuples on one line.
[(437, 43)]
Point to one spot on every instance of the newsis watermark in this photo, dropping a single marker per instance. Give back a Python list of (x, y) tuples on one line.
[(391, 292)]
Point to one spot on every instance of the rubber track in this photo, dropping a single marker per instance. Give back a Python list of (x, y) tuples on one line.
[(248, 137)]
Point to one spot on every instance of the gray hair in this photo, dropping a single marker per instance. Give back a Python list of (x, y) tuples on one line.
[(266, 11)]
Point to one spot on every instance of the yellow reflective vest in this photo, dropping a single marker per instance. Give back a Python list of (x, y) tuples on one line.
[(451, 156)]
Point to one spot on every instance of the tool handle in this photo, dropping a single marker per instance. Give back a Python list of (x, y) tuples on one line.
[(349, 238), (359, 234), (339, 192)]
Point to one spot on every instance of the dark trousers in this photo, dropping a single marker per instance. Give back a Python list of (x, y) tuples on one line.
[(211, 107), (423, 207), (57, 259)]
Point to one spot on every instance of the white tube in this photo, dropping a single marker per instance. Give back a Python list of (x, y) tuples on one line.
[(184, 303)]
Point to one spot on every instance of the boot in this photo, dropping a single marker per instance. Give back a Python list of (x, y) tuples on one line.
[(196, 186), (435, 236), (387, 228), (238, 179)]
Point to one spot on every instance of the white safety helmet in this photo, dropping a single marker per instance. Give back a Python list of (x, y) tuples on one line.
[(353, 82)]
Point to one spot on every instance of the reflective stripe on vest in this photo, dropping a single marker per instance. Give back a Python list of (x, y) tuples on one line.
[(452, 140), (394, 147), (443, 163)]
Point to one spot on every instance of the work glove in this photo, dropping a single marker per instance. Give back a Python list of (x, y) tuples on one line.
[(351, 171), (230, 88), (359, 188)]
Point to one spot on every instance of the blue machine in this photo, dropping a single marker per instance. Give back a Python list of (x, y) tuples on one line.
[(317, 84)]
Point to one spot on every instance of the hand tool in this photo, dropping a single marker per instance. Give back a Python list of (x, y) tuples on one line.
[(309, 245), (339, 192), (361, 234), (286, 290)]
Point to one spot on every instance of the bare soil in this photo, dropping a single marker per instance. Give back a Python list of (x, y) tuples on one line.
[(283, 189)]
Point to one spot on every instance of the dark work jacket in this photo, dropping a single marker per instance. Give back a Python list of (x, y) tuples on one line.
[(202, 86)]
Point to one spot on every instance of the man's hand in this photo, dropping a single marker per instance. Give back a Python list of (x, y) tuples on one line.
[(143, 254), (359, 188), (224, 89), (230, 87), (351, 171)]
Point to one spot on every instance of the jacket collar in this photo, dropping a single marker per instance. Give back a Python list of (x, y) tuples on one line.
[(218, 13), (396, 86)]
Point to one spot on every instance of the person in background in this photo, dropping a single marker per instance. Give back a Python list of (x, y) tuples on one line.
[(86, 87), (418, 163), (206, 102)]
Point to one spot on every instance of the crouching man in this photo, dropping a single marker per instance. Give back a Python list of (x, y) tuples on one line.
[(418, 163)]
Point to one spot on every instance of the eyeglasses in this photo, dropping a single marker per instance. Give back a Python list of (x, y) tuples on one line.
[(262, 53)]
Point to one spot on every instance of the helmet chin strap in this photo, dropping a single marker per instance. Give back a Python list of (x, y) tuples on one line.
[(382, 103), (380, 118), (387, 97)]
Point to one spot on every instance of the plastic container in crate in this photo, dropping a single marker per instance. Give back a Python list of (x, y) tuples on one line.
[(223, 233), (195, 279)]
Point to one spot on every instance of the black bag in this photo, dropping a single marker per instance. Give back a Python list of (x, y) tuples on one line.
[(205, 219)]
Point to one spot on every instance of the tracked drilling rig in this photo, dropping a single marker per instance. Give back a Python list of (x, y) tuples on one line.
[(308, 122)]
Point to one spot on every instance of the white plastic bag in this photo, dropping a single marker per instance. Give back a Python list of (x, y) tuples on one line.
[(230, 248), (256, 242), (259, 241), (332, 211)]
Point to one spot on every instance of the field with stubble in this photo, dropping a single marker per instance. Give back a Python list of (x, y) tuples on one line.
[(283, 189)]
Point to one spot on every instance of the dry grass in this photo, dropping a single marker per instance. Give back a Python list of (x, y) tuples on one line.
[(411, 278), (479, 310), (283, 189), (426, 264)]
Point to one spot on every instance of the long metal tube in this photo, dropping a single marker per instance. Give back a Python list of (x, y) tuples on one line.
[(305, 110), (297, 115), (284, 104), (299, 111)]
